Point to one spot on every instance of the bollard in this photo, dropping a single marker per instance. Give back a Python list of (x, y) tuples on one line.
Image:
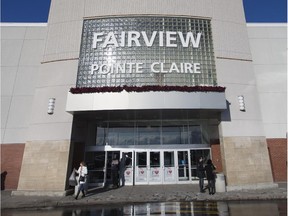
[(220, 183)]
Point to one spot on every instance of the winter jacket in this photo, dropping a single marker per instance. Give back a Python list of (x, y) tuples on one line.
[(210, 171), (200, 170)]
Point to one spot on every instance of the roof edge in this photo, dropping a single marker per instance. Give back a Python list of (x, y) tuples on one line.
[(45, 24), (10, 24), (266, 24)]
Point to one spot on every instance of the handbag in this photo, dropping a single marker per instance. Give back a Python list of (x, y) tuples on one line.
[(72, 179), (82, 179)]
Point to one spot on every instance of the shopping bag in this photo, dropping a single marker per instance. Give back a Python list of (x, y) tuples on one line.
[(72, 179)]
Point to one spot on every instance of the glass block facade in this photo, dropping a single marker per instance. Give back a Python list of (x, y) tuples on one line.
[(139, 64)]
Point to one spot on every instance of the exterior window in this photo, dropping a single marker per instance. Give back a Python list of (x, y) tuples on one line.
[(174, 135), (120, 136), (148, 135), (156, 133), (195, 134), (100, 136)]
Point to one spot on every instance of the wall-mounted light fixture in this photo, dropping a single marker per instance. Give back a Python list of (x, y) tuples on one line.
[(51, 105), (241, 102)]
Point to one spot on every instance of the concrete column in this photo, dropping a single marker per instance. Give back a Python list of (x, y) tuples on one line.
[(44, 168), (247, 164)]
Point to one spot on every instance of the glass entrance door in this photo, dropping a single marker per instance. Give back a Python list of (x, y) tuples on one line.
[(183, 165), (169, 171), (126, 168), (162, 166), (110, 156), (141, 168), (195, 154), (155, 167)]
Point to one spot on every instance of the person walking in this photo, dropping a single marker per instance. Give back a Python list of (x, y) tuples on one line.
[(201, 174), (210, 174), (82, 171)]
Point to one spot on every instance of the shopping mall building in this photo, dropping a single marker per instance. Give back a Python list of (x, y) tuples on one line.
[(159, 83)]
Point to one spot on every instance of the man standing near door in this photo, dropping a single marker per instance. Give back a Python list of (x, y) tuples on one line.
[(115, 171), (201, 174)]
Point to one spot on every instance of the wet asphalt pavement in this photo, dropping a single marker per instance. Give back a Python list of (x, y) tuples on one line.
[(138, 195)]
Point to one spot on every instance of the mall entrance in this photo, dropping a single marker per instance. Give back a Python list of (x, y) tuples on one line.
[(145, 166), (154, 146)]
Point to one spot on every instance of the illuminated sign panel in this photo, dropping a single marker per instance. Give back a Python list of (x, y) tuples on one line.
[(138, 51)]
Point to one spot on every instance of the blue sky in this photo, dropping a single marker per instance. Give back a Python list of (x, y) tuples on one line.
[(37, 10)]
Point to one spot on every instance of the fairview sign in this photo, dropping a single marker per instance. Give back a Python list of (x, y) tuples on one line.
[(135, 38)]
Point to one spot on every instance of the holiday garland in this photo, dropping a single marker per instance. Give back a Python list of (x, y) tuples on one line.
[(147, 88)]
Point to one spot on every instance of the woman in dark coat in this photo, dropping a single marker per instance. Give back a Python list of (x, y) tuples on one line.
[(210, 175)]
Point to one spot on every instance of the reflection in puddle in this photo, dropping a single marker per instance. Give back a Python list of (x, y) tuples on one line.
[(246, 208)]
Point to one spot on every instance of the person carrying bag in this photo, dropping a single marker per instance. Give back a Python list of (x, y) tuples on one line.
[(82, 171)]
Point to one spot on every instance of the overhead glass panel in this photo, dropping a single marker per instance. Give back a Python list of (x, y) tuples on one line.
[(153, 132)]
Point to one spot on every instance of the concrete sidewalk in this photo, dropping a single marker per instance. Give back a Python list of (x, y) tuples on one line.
[(140, 194)]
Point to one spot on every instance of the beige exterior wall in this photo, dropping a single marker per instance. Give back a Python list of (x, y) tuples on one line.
[(246, 163), (44, 168), (268, 44), (22, 48)]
